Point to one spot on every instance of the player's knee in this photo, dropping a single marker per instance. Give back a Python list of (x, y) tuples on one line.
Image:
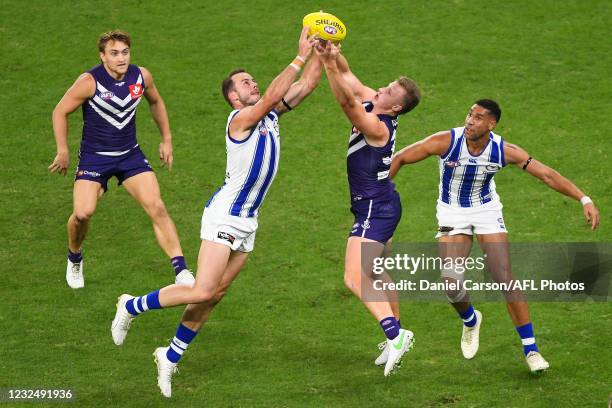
[(455, 290), (202, 296), (83, 215), (156, 209)]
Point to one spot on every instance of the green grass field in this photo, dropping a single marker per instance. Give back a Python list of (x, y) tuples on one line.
[(289, 333)]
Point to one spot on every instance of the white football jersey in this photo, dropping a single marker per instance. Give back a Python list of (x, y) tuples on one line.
[(466, 180), (251, 166)]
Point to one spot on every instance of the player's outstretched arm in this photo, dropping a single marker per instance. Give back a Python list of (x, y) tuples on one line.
[(160, 116), (434, 145), (300, 89), (362, 92), (250, 115), (516, 155), (368, 123), (82, 89)]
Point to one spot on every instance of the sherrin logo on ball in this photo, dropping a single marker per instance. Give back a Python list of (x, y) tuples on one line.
[(325, 26)]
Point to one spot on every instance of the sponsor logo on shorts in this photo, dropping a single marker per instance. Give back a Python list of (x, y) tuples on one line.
[(87, 173), (445, 229), (136, 90), (501, 223), (493, 167), (366, 225), (227, 237), (452, 164), (106, 95)]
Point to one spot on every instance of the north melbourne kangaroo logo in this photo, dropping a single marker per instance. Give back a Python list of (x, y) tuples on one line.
[(136, 90)]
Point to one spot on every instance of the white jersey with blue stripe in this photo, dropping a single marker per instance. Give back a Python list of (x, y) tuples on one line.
[(251, 166), (465, 180)]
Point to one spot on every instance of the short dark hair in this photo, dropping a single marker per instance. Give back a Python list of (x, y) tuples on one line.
[(227, 85), (491, 106), (413, 94), (115, 35)]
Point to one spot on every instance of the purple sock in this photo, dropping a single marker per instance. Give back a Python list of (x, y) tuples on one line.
[(180, 342), (178, 263), (75, 257), (390, 326)]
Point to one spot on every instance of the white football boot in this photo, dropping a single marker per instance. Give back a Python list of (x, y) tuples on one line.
[(122, 321), (185, 278), (397, 348), (536, 362), (165, 370), (384, 355), (470, 339), (74, 275)]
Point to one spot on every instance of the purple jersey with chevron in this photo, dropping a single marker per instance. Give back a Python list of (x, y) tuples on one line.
[(368, 166), (109, 116)]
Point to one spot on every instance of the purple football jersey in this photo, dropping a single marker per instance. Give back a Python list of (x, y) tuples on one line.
[(368, 166), (109, 116)]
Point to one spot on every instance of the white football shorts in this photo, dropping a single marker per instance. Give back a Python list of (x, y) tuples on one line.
[(484, 219), (238, 233)]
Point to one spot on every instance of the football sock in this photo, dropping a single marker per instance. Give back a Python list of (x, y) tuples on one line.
[(75, 257), (469, 317), (180, 342), (390, 326), (178, 263), (527, 338), (141, 304)]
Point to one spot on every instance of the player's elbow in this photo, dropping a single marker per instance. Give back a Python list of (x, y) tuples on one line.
[(58, 113)]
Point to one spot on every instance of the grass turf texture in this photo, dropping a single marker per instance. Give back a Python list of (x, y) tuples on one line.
[(288, 333)]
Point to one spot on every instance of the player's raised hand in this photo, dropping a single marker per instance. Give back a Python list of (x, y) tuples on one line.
[(327, 50), (165, 154), (591, 214), (60, 163), (305, 45)]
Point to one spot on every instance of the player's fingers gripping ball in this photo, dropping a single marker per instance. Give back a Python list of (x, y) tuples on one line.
[(325, 26)]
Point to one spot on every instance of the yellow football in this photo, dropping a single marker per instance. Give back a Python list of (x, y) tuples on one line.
[(325, 26)]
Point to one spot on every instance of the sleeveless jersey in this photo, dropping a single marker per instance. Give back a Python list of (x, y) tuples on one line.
[(251, 167), (368, 166), (109, 116), (466, 180)]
